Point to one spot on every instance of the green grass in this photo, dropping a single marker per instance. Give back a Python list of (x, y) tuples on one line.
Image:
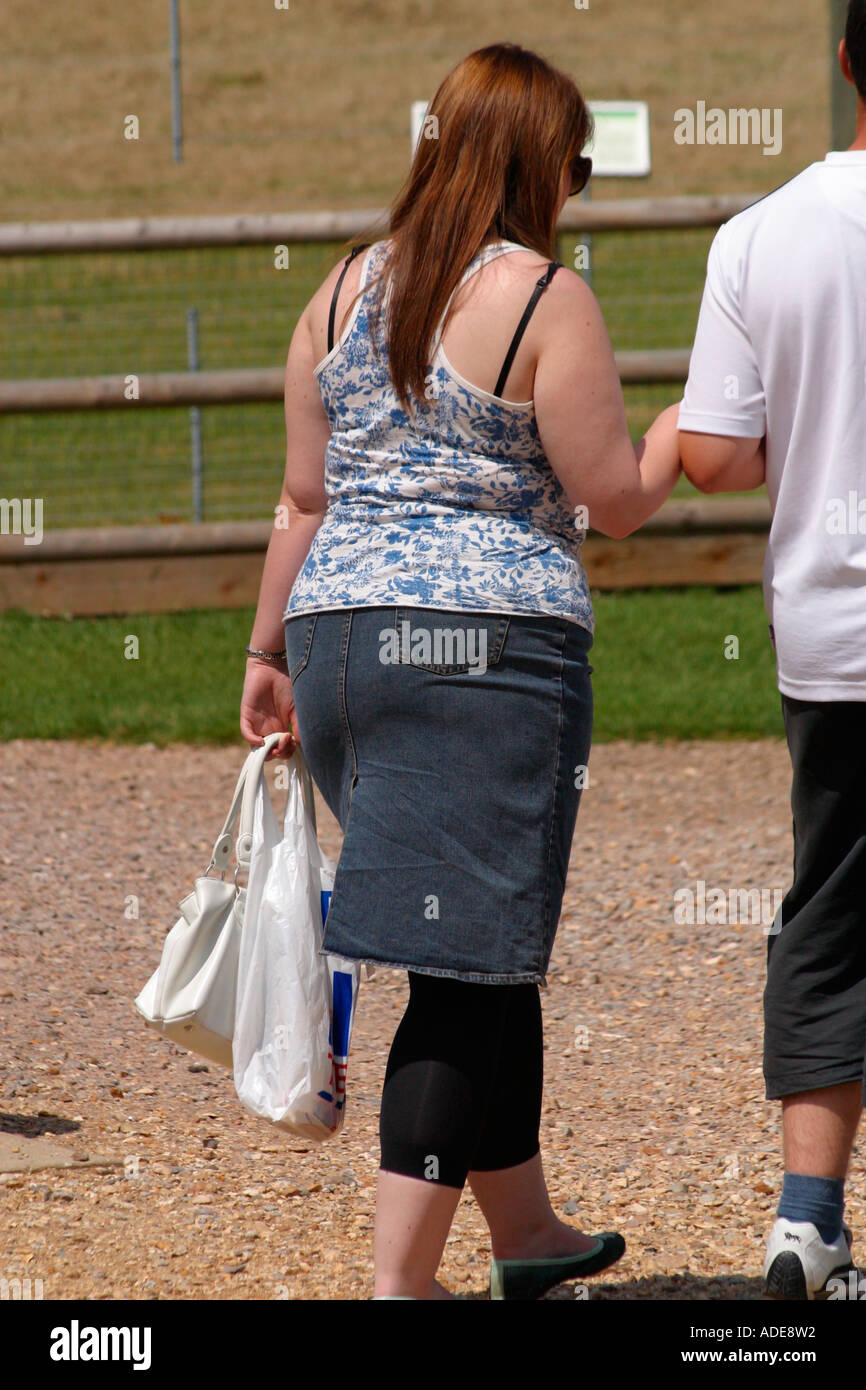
[(123, 313), (660, 672), (661, 669)]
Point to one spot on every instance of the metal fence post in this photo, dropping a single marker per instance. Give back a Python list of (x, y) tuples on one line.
[(176, 131)]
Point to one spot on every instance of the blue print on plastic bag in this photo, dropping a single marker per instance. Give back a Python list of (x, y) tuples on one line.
[(341, 1020), (342, 1016)]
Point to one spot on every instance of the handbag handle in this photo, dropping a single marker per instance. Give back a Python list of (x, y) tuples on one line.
[(244, 842), (244, 800)]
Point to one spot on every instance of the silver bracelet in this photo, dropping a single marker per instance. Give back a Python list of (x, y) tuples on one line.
[(267, 656)]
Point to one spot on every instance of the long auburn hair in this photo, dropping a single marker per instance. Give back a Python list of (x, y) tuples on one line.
[(498, 133)]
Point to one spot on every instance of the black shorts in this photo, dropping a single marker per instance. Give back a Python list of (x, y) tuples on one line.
[(815, 997)]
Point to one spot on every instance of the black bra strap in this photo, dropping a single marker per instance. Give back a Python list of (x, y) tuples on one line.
[(540, 287), (356, 250)]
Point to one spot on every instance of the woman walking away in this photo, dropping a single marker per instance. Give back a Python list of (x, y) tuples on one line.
[(451, 400)]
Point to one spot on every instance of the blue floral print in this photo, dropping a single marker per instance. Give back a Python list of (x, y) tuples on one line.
[(458, 509)]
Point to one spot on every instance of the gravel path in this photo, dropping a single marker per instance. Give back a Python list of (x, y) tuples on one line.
[(654, 1118)]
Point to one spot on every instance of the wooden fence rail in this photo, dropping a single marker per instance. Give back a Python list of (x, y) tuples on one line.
[(244, 384), (163, 568), (262, 229), (133, 569)]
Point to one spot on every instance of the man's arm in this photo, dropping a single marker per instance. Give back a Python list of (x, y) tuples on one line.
[(722, 421), (722, 463)]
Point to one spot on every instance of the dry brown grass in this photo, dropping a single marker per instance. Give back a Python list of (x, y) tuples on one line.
[(309, 107)]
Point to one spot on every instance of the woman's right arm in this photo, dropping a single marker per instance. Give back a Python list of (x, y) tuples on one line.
[(580, 413)]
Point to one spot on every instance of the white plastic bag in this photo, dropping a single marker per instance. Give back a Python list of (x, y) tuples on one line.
[(294, 1008)]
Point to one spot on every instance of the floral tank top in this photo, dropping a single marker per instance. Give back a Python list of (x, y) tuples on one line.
[(459, 509)]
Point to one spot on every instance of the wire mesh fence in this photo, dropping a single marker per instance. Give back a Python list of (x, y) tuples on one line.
[(124, 312)]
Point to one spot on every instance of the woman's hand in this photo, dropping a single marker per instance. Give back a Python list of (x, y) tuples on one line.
[(268, 707)]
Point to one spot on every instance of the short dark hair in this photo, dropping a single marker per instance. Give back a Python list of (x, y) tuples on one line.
[(855, 42)]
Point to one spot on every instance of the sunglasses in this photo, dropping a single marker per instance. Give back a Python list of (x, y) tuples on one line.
[(581, 168)]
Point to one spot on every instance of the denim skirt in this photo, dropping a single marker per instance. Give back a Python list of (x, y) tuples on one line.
[(452, 748)]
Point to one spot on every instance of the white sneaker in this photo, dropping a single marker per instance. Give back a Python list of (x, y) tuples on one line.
[(798, 1263)]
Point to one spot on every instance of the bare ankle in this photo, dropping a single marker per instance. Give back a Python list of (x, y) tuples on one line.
[(532, 1243)]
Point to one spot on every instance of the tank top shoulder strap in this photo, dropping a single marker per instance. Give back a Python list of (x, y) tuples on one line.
[(356, 251), (482, 257), (540, 286)]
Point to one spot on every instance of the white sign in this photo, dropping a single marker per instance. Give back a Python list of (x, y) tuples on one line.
[(619, 149)]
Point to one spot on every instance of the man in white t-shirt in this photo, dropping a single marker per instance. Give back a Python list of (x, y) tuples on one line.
[(777, 393)]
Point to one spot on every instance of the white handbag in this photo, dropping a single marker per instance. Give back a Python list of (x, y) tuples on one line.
[(190, 997)]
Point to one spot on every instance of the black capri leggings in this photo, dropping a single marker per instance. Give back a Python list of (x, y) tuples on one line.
[(464, 1080)]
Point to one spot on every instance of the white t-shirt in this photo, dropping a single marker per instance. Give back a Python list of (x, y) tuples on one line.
[(781, 350)]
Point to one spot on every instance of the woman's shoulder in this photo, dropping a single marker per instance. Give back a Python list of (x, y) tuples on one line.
[(345, 273), (519, 270), (352, 262)]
